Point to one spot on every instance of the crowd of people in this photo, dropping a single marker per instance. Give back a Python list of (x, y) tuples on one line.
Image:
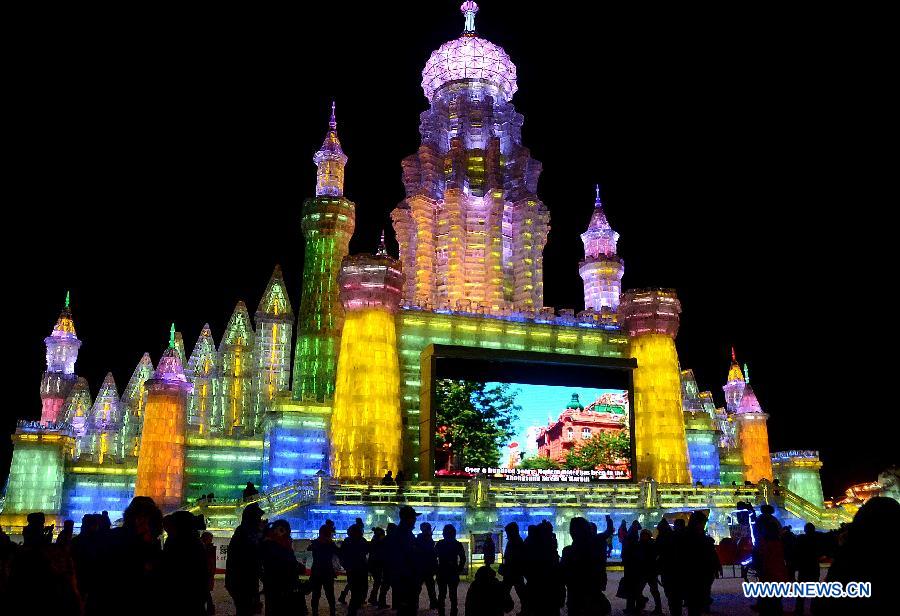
[(106, 570)]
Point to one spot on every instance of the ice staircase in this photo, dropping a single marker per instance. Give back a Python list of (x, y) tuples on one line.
[(225, 515)]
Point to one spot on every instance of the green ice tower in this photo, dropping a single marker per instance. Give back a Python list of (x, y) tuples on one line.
[(328, 222)]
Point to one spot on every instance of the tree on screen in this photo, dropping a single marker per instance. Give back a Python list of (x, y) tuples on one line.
[(602, 449), (474, 420)]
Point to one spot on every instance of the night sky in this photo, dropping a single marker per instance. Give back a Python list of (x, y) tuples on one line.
[(157, 163)]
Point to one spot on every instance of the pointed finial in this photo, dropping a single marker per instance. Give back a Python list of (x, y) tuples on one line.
[(733, 356), (67, 298), (469, 8), (597, 188), (172, 336), (332, 123), (382, 247), (746, 374)]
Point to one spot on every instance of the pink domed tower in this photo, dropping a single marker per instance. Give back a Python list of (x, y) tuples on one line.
[(471, 227)]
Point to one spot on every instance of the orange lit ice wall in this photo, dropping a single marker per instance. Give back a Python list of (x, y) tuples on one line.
[(366, 426), (160, 470), (754, 436)]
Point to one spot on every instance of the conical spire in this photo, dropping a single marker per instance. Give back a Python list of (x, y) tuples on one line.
[(275, 301), (142, 372), (77, 406), (734, 372), (330, 160), (239, 331), (382, 246), (203, 357), (105, 411), (749, 402), (65, 326)]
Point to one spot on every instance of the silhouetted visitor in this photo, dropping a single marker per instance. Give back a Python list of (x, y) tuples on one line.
[(630, 585), (242, 564), (490, 550), (487, 596), (376, 563), (647, 568), (401, 563), (545, 589), (104, 522), (388, 479), (65, 535), (578, 569), (85, 550), (210, 551), (807, 552), (280, 572), (342, 598), (353, 552), (322, 573), (41, 575), (698, 560), (602, 547), (670, 572), (868, 554), (386, 583), (250, 491), (513, 566), (451, 562), (426, 563), (401, 477), (183, 573), (128, 576)]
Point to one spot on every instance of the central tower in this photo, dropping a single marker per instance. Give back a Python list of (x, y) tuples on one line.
[(471, 226)]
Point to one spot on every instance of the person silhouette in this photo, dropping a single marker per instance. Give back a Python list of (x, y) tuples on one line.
[(353, 552), (322, 574), (426, 563), (242, 561), (513, 566), (451, 563)]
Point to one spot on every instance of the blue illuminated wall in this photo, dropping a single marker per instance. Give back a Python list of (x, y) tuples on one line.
[(296, 442), (92, 488), (703, 452)]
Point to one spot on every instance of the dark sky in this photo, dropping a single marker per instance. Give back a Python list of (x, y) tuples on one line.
[(157, 163)]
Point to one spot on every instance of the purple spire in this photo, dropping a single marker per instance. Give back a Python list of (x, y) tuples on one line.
[(382, 247), (332, 123)]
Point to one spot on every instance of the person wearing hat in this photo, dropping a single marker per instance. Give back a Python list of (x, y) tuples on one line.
[(242, 562)]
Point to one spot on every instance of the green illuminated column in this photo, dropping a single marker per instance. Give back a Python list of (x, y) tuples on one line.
[(328, 222)]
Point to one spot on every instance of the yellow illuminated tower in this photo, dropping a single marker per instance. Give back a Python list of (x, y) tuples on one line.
[(753, 434), (651, 318), (160, 468), (366, 424)]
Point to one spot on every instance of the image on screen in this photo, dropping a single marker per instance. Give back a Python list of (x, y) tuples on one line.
[(529, 432)]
